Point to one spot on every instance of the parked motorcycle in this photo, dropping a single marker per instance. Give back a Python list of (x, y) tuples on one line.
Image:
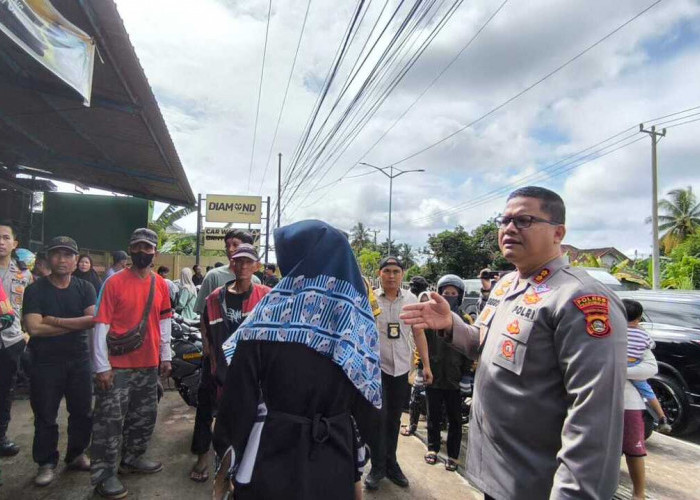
[(187, 353)]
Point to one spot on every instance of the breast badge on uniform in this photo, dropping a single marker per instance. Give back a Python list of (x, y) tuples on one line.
[(513, 327), (502, 287), (596, 308), (508, 350), (531, 298)]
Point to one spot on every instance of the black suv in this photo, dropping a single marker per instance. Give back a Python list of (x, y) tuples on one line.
[(672, 319)]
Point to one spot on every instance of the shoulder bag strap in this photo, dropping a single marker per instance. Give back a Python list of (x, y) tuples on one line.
[(149, 303)]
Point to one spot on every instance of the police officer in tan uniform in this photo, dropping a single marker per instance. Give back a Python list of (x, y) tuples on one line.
[(546, 419)]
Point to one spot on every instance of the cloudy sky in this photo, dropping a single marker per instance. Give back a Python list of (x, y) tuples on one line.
[(203, 60)]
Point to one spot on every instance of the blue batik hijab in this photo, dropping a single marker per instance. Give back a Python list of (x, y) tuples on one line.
[(321, 302)]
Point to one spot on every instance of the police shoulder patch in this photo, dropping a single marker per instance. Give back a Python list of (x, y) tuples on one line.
[(596, 309)]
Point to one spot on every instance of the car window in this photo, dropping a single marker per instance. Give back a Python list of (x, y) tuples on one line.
[(670, 313), (472, 288)]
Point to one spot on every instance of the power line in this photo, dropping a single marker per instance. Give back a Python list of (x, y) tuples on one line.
[(530, 87), (425, 90), (284, 99), (257, 111), (376, 82)]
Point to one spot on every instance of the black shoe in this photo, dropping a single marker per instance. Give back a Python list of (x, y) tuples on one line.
[(373, 478), (111, 488), (395, 474), (8, 448)]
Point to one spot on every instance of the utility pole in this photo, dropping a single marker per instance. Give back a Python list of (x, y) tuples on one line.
[(391, 177), (199, 227), (375, 231), (655, 138), (279, 188)]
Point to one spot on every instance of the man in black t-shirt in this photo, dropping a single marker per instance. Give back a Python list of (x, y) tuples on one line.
[(270, 279), (58, 310)]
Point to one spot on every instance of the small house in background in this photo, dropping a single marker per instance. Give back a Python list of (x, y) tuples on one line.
[(607, 256)]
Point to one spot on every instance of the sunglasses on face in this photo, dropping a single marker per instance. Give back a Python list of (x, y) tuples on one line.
[(522, 221)]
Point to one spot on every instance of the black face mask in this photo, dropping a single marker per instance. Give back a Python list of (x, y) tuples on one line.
[(453, 301), (142, 260)]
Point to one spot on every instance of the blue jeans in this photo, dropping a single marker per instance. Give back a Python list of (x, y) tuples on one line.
[(642, 386)]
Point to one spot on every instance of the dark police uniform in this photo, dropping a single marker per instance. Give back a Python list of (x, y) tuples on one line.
[(546, 420)]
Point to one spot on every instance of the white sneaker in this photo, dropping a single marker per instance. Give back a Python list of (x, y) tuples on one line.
[(45, 475)]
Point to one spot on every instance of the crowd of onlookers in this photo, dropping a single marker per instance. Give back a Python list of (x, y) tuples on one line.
[(558, 364)]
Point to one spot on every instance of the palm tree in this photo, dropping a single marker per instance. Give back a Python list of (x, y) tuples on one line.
[(681, 217), (360, 237), (167, 218), (405, 253)]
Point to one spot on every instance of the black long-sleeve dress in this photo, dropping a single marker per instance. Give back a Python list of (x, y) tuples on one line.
[(286, 415)]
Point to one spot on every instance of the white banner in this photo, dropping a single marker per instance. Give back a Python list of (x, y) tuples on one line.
[(214, 237), (61, 47), (224, 208)]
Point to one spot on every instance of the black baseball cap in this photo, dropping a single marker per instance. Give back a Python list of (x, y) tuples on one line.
[(246, 250), (64, 243), (144, 235), (390, 261), (419, 280)]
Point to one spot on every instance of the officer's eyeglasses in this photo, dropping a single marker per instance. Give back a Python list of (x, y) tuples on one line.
[(522, 221)]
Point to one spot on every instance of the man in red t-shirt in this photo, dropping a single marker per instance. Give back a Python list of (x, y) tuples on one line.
[(126, 395)]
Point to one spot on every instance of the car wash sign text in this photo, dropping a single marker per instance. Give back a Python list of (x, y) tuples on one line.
[(224, 208)]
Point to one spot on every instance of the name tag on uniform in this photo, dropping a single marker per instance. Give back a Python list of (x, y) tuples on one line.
[(394, 331)]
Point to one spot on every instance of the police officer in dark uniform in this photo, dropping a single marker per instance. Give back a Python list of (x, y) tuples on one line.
[(546, 419)]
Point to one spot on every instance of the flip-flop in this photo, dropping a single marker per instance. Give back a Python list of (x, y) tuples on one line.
[(450, 465), (430, 458), (199, 476)]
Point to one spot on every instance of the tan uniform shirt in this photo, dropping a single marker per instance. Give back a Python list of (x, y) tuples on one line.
[(14, 281), (546, 419), (396, 352)]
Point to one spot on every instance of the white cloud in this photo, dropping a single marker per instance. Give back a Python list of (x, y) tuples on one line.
[(203, 63)]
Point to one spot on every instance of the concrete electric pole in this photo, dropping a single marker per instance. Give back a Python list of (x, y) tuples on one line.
[(655, 138)]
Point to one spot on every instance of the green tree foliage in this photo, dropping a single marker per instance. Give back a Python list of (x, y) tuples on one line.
[(683, 271), (359, 237), (679, 218), (459, 252), (368, 260)]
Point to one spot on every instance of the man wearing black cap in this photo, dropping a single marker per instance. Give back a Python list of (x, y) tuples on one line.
[(418, 285), (131, 340), (397, 342), (224, 310), (58, 310)]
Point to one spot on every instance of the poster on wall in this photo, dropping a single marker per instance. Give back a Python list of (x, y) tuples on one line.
[(57, 44)]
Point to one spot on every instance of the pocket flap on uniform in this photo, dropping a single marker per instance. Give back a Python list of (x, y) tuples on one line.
[(519, 329), (510, 354)]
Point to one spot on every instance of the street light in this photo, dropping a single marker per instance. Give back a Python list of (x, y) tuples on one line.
[(391, 177)]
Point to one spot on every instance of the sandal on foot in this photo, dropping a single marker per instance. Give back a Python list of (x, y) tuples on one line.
[(199, 475), (451, 465), (408, 431), (430, 458)]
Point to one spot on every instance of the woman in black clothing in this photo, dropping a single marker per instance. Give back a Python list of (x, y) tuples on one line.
[(448, 366), (302, 365), (86, 271)]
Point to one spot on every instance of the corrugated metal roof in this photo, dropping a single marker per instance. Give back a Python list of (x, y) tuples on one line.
[(120, 143)]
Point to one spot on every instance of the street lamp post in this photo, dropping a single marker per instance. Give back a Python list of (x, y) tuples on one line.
[(391, 175)]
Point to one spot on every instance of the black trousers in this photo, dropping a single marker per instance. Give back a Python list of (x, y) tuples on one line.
[(9, 364), (385, 439), (50, 381), (453, 404), (206, 408)]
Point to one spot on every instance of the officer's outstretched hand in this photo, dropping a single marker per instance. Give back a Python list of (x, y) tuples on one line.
[(434, 314)]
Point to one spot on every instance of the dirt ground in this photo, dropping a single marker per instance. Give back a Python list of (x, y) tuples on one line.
[(170, 444)]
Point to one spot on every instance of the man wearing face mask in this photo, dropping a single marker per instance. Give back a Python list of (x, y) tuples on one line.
[(130, 341)]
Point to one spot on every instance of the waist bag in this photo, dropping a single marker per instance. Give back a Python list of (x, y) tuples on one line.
[(120, 344)]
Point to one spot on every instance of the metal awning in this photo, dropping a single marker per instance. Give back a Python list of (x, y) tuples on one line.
[(120, 143)]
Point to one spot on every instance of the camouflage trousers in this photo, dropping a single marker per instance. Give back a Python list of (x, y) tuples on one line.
[(123, 420)]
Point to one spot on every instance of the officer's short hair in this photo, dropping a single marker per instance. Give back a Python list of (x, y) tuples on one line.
[(239, 234), (633, 309), (550, 202)]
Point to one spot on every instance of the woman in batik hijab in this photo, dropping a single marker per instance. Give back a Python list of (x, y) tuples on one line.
[(302, 365)]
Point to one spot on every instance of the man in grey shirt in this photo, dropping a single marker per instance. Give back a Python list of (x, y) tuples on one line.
[(219, 276), (397, 342), (546, 418)]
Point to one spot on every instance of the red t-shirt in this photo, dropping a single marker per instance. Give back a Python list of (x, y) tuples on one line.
[(120, 305)]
